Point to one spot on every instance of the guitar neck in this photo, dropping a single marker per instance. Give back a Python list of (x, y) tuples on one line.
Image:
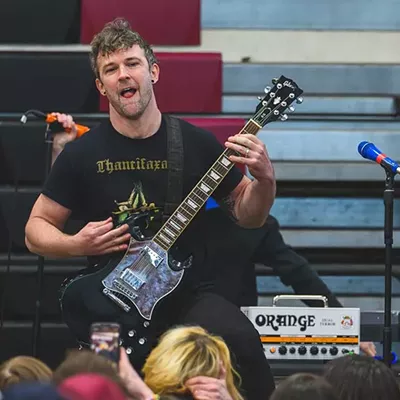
[(195, 200)]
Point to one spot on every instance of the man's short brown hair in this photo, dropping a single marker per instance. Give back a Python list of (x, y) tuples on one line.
[(117, 35)]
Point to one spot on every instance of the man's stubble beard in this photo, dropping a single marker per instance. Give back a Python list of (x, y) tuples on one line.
[(140, 105)]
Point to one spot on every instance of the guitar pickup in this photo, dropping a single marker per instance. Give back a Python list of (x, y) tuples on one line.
[(153, 258), (129, 278)]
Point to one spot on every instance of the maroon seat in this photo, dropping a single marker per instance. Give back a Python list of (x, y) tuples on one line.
[(222, 128), (190, 83), (160, 22)]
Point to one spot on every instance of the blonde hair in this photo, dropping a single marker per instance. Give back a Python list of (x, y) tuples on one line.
[(184, 353), (23, 369)]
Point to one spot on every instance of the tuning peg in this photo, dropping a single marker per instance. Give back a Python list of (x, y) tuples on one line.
[(283, 117), (299, 100), (274, 81), (267, 89), (291, 108), (259, 98)]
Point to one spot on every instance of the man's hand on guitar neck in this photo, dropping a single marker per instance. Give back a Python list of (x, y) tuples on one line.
[(100, 237), (251, 200), (252, 153)]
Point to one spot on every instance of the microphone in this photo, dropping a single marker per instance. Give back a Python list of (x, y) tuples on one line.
[(50, 119), (369, 151)]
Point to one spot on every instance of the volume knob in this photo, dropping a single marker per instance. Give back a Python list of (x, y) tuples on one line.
[(302, 350), (333, 350), (282, 350)]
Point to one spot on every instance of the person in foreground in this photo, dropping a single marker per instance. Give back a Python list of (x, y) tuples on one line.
[(303, 386), (359, 377), (121, 167), (188, 360)]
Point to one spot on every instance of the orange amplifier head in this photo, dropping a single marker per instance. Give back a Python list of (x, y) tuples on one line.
[(309, 333)]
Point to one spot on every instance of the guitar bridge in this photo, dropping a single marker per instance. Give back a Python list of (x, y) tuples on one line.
[(123, 289)]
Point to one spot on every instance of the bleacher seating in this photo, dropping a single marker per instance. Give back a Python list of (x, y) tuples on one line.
[(190, 83), (54, 80), (160, 22), (39, 22), (329, 200), (305, 15)]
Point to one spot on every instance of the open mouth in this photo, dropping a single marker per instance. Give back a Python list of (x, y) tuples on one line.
[(127, 93)]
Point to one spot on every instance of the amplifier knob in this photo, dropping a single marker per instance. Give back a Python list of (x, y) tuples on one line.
[(333, 350), (282, 350), (314, 350), (292, 350), (324, 350), (302, 350), (345, 351)]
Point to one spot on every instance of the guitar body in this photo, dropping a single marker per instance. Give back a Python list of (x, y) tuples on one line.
[(123, 290)]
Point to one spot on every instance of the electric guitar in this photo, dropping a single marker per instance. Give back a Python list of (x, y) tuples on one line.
[(128, 290)]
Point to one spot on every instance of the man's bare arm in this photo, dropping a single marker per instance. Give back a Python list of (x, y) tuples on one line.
[(250, 202), (44, 236), (43, 231)]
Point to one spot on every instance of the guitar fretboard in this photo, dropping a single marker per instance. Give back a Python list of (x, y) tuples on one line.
[(196, 199)]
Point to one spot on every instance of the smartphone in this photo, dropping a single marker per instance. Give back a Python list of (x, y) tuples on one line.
[(104, 339)]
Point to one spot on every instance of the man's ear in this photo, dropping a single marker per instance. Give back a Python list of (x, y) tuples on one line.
[(155, 73), (100, 87)]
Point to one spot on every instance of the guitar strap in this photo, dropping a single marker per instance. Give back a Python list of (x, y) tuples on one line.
[(175, 166)]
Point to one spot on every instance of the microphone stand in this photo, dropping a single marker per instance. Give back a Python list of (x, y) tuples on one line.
[(388, 196), (40, 271)]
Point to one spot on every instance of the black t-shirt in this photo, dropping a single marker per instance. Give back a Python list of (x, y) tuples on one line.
[(105, 174)]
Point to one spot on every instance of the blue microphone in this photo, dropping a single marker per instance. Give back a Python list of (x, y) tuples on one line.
[(369, 151)]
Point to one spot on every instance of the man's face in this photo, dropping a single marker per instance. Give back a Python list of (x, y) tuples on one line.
[(126, 78)]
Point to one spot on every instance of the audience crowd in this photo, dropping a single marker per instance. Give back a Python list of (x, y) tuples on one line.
[(188, 363)]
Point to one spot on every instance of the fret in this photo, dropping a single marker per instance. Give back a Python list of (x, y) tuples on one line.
[(192, 204), (158, 241), (181, 217), (210, 182), (164, 238), (200, 196), (220, 169), (230, 152), (216, 177), (169, 232), (185, 211), (172, 228), (189, 211), (204, 188), (175, 223), (225, 162)]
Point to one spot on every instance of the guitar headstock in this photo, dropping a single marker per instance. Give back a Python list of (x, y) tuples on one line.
[(277, 100)]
